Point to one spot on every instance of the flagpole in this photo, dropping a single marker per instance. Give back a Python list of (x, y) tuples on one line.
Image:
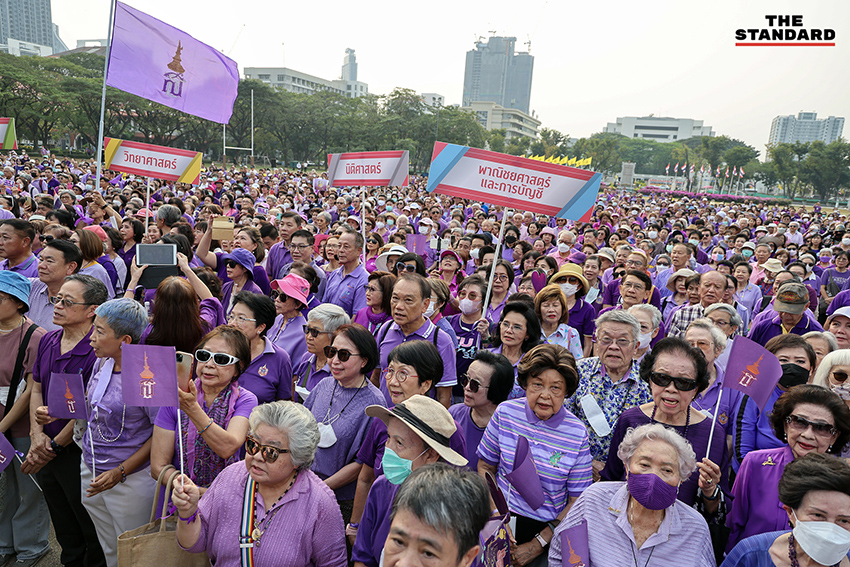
[(148, 205), (495, 261), (363, 220), (713, 422), (103, 95), (180, 437)]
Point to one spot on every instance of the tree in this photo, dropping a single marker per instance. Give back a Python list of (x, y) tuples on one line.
[(496, 140), (786, 165), (827, 168)]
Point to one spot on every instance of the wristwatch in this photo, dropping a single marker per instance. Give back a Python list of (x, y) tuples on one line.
[(714, 496), (56, 447), (543, 543)]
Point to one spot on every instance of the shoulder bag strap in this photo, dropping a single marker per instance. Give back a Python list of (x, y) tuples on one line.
[(19, 369)]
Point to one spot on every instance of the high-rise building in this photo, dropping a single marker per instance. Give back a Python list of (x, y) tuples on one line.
[(496, 73), (660, 129), (349, 66), (26, 23), (805, 127)]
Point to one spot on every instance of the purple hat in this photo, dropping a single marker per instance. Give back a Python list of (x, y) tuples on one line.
[(244, 258)]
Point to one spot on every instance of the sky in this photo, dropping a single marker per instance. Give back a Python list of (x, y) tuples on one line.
[(594, 61)]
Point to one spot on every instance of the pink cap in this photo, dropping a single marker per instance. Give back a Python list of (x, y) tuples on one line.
[(293, 286)]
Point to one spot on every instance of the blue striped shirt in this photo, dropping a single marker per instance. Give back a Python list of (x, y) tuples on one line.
[(559, 448)]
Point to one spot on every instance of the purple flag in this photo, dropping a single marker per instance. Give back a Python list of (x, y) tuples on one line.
[(66, 396), (575, 551), (7, 453), (149, 375), (524, 477), (156, 61), (417, 243), (753, 370)]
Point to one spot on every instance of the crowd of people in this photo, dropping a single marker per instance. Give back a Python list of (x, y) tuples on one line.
[(363, 358)]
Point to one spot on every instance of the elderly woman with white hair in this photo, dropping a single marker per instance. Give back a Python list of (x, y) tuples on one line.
[(322, 323), (832, 374), (649, 318), (640, 518), (240, 515)]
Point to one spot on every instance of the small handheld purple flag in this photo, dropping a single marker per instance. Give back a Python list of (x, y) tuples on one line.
[(156, 61), (575, 551), (149, 375), (7, 453), (524, 477), (753, 370), (66, 396), (417, 243)]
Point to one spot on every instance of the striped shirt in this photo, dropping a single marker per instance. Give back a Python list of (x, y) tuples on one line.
[(559, 448), (682, 538)]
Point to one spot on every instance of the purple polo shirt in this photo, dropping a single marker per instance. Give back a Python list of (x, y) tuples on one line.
[(347, 290), (270, 375), (78, 360), (290, 338), (706, 402), (472, 434), (766, 329), (41, 310), (375, 523), (583, 319), (306, 370), (278, 256), (391, 336), (28, 268), (611, 295)]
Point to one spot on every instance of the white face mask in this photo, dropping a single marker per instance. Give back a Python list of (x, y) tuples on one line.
[(381, 203), (379, 225), (563, 247), (845, 241), (474, 253), (569, 289), (327, 436), (644, 339), (424, 229), (468, 306), (824, 542), (653, 234), (430, 310)]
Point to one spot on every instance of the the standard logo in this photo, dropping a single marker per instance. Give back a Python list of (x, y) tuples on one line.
[(785, 31)]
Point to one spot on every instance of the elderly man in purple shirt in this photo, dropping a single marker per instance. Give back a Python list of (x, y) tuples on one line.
[(790, 304), (53, 456), (16, 238), (410, 298), (346, 286), (58, 259)]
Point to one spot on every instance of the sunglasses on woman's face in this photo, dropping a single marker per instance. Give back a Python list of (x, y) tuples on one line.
[(402, 267), (270, 453), (231, 264), (275, 294), (474, 385), (314, 332), (681, 384), (839, 376), (219, 358), (342, 354)]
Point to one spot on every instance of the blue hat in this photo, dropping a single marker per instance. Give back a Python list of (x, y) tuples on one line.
[(15, 285), (244, 258)]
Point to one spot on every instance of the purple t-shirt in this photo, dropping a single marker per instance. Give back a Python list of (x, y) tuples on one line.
[(269, 375), (290, 338), (468, 343), (375, 523), (472, 434)]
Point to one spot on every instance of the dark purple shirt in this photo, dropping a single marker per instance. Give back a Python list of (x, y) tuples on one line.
[(375, 523), (472, 434), (270, 375)]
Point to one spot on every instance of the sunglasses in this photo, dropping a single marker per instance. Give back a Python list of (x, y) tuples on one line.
[(342, 354), (231, 264), (270, 454), (314, 332), (840, 376), (800, 424), (402, 267), (219, 358), (474, 385), (46, 238), (372, 241), (275, 294), (681, 384)]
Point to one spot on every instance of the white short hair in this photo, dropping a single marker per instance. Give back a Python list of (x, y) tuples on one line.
[(657, 432)]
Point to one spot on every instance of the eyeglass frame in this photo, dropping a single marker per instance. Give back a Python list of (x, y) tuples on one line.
[(276, 452), (66, 303), (819, 429)]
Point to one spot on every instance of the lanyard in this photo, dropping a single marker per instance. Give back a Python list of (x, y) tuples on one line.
[(246, 538)]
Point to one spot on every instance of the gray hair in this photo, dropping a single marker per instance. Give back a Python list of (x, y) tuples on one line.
[(168, 214), (124, 317), (718, 336), (623, 317), (452, 501), (625, 248), (325, 215), (824, 336), (331, 316), (635, 436), (296, 422), (650, 310), (94, 290), (839, 357), (734, 318)]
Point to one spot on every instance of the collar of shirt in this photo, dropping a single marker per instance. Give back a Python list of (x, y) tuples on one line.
[(669, 525), (631, 376), (553, 422), (268, 348), (426, 334), (82, 348)]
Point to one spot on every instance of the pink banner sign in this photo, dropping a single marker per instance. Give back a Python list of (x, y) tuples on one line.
[(148, 160), (513, 182), (369, 169)]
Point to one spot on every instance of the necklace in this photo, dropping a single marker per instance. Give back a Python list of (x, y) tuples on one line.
[(102, 436), (331, 405), (257, 533), (687, 420)]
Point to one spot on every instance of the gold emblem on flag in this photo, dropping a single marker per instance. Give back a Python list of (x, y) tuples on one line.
[(175, 64), (172, 86)]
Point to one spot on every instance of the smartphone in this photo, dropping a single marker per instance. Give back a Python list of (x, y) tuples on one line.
[(184, 370)]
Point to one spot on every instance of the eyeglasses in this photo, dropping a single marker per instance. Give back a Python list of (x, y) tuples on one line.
[(719, 323), (372, 241), (634, 263), (662, 266), (270, 453), (500, 278), (218, 358), (400, 375), (67, 303), (402, 267), (299, 246), (313, 331), (474, 385), (371, 288), (634, 286), (342, 354), (607, 341), (800, 424), (239, 318), (681, 384), (618, 275), (839, 376), (702, 345)]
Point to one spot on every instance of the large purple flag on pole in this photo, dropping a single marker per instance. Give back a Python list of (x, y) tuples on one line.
[(156, 61), (753, 370), (149, 375)]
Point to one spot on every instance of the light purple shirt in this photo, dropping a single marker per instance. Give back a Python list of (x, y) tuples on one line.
[(28, 268), (347, 290), (41, 310), (290, 338)]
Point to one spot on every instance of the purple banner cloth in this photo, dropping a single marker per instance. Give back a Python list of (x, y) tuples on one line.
[(7, 453), (156, 61), (66, 396), (575, 551), (149, 375), (524, 477), (417, 243), (752, 370)]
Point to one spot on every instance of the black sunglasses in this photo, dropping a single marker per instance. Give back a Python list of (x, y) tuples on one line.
[(819, 428), (840, 376), (342, 354), (275, 294), (313, 332), (231, 264), (402, 267), (46, 238), (270, 454), (474, 384), (681, 384)]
